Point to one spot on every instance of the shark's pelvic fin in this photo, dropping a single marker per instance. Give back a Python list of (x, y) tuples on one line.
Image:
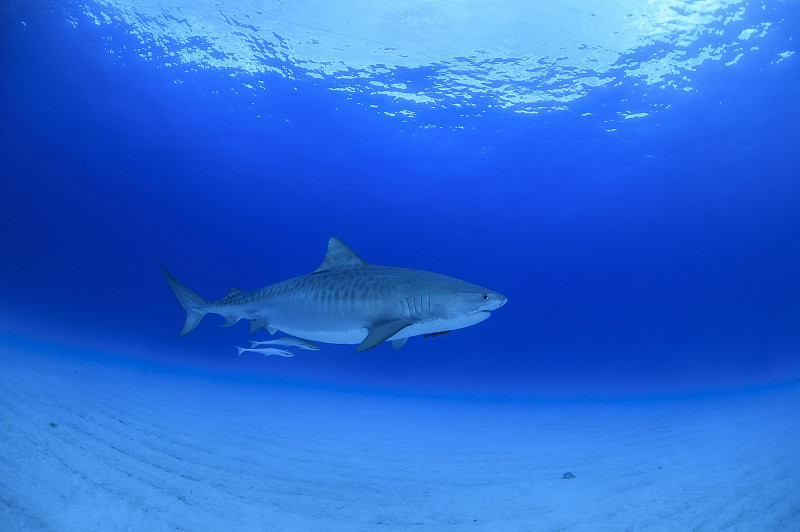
[(339, 256), (381, 333), (397, 344), (190, 302), (257, 324)]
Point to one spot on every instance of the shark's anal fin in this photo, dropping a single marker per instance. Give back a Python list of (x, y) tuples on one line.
[(381, 333), (397, 344)]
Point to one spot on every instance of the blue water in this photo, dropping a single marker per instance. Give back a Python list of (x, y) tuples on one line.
[(626, 175), (658, 252)]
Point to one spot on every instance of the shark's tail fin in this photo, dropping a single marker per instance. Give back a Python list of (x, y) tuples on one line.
[(190, 302)]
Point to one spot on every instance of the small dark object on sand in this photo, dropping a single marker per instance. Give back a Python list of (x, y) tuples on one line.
[(568, 476)]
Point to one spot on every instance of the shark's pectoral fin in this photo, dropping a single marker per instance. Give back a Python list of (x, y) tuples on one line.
[(397, 344), (381, 333)]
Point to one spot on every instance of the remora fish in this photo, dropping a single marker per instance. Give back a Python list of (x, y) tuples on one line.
[(267, 351), (287, 341), (348, 301)]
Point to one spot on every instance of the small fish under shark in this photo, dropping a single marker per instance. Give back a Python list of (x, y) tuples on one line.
[(349, 301), (267, 351), (288, 342)]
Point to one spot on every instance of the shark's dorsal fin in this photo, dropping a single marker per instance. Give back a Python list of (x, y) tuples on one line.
[(232, 292), (339, 256)]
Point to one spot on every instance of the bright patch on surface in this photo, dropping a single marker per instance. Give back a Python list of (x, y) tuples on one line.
[(513, 55)]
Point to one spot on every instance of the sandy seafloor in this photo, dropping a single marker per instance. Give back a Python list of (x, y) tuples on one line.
[(92, 443)]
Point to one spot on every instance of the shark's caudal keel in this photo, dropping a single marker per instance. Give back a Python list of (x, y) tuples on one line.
[(348, 301)]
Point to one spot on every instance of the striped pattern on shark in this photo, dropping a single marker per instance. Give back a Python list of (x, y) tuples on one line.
[(349, 301)]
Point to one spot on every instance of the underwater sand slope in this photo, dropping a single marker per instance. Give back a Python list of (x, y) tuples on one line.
[(91, 445)]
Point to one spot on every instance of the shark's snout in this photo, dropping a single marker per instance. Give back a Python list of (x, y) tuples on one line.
[(494, 301)]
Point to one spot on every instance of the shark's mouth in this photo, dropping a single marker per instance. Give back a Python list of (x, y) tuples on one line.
[(492, 305), (479, 315)]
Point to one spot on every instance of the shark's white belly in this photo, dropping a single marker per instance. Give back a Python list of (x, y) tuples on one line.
[(357, 335), (440, 325), (347, 336)]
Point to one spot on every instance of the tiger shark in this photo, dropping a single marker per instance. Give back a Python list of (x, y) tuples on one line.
[(349, 301)]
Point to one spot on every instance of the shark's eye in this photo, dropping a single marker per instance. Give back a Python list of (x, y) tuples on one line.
[(485, 297)]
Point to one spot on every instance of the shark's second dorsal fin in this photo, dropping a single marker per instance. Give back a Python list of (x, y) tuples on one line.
[(339, 256), (232, 292)]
